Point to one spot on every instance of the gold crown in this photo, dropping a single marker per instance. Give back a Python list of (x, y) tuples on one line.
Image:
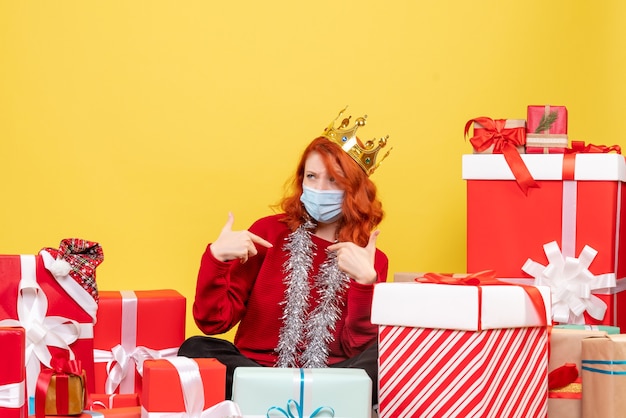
[(345, 137)]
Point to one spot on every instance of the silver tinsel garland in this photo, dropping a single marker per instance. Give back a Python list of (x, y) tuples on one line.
[(315, 329)]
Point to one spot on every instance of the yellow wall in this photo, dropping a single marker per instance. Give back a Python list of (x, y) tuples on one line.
[(140, 124)]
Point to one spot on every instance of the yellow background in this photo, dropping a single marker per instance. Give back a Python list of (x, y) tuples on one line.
[(141, 124)]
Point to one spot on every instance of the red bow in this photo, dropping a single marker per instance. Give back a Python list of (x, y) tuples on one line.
[(505, 141), (562, 376)]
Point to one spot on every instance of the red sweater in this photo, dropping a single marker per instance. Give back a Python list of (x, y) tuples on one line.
[(250, 294)]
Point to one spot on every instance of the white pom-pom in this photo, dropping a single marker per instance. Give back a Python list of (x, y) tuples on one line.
[(60, 268)]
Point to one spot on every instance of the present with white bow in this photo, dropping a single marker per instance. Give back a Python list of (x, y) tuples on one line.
[(578, 204), (134, 326), (12, 373), (179, 387), (302, 393), (47, 296)]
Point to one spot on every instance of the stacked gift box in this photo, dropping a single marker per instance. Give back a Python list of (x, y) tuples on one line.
[(551, 214)]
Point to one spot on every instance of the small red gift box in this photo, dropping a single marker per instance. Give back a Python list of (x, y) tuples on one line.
[(462, 349), (576, 215), (547, 120), (61, 389), (169, 385), (12, 373), (133, 326), (27, 287)]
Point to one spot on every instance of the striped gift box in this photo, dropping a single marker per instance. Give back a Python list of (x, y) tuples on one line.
[(461, 351)]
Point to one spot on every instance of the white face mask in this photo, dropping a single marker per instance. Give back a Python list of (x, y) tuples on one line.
[(323, 205)]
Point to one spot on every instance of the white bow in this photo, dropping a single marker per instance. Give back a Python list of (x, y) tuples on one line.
[(41, 330), (121, 364), (571, 284)]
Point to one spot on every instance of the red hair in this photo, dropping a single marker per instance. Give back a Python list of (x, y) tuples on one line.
[(362, 211)]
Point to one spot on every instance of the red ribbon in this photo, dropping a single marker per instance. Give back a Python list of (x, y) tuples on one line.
[(562, 376), (505, 141), (62, 369), (487, 278), (580, 147)]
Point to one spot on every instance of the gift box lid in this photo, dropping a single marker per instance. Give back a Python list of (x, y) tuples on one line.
[(591, 166), (442, 306)]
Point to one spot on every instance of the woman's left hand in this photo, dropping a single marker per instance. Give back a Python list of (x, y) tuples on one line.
[(357, 262)]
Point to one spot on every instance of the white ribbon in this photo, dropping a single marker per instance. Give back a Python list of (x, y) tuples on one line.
[(124, 358), (12, 395), (74, 289), (571, 284), (193, 395), (41, 330), (121, 365)]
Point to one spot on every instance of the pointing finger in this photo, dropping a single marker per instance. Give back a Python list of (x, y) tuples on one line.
[(258, 240)]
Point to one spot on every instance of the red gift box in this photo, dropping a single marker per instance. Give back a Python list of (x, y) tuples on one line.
[(12, 373), (134, 326), (578, 205), (461, 350), (169, 385), (58, 307), (554, 118)]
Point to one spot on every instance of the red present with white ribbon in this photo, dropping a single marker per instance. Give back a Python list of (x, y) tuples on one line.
[(12, 373), (180, 387), (55, 310), (134, 326), (578, 205), (462, 350)]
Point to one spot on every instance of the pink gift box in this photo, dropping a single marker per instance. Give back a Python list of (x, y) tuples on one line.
[(579, 204), (134, 326), (453, 350), (12, 373), (537, 114), (25, 281)]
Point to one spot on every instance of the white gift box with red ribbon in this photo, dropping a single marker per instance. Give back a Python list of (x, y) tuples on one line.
[(57, 313), (461, 350), (578, 205)]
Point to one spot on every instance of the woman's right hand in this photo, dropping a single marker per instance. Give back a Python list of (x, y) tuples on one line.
[(231, 245)]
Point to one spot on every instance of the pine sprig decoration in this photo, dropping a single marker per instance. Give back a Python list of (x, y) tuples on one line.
[(546, 121)]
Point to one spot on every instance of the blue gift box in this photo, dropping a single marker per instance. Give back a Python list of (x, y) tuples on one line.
[(302, 393)]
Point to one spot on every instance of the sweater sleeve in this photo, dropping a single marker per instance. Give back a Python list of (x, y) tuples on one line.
[(358, 331), (222, 290)]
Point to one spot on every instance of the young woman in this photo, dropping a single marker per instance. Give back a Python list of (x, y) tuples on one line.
[(299, 284)]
